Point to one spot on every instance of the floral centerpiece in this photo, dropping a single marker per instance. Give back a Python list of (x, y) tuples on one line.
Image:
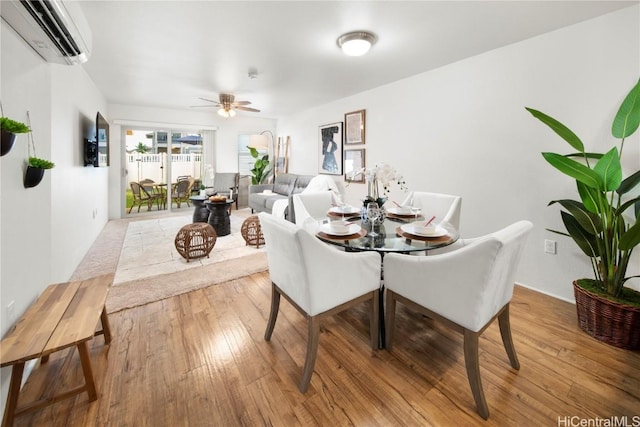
[(381, 175)]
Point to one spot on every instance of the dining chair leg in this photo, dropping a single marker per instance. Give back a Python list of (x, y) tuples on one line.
[(507, 340), (472, 364), (273, 316), (390, 318), (312, 352), (374, 319)]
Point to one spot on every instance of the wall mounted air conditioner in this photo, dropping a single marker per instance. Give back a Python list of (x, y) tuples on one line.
[(57, 30)]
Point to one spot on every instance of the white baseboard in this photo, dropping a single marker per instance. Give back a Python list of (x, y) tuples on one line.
[(572, 301)]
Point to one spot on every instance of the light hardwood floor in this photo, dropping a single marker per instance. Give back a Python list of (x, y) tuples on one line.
[(200, 359)]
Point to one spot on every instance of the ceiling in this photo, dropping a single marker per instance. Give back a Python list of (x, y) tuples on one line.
[(168, 54)]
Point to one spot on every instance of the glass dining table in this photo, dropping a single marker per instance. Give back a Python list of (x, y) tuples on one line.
[(394, 235)]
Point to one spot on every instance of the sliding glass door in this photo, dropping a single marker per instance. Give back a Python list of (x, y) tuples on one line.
[(156, 160)]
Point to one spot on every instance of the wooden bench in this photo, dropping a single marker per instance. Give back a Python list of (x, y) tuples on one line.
[(64, 315)]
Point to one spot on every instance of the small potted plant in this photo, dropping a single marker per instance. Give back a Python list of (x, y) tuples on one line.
[(35, 171), (10, 128), (604, 224)]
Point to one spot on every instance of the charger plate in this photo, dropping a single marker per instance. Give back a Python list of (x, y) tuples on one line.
[(400, 232), (343, 215), (357, 235), (403, 217)]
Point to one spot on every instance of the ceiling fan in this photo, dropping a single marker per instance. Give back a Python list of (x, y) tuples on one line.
[(228, 105)]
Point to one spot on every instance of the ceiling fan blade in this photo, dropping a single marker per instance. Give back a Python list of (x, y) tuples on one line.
[(210, 100), (247, 109), (242, 102)]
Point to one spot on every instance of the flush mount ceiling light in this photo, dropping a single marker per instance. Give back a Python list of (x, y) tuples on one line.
[(356, 43)]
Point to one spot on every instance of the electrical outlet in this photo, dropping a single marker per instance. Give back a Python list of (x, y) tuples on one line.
[(550, 247), (11, 312)]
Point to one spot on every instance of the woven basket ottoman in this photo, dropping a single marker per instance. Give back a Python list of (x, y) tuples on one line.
[(252, 232), (195, 240)]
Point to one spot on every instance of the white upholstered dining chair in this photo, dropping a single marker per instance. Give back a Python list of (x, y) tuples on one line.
[(466, 289), (318, 280), (311, 205), (445, 207)]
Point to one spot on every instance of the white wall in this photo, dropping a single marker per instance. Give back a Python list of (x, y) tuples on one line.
[(77, 192), (226, 146), (45, 230), (462, 129)]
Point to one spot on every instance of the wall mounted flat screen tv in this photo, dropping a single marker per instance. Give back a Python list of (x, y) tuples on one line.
[(102, 138), (96, 151)]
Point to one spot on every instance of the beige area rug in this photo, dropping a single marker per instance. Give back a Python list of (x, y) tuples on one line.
[(148, 268), (143, 291), (151, 269), (149, 247)]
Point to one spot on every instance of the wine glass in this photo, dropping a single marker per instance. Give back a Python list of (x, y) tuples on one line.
[(373, 215), (415, 210)]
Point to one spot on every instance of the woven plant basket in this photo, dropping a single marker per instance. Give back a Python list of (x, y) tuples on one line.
[(608, 321)]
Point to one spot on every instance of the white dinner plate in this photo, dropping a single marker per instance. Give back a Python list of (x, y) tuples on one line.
[(353, 229), (344, 210), (437, 231), (397, 211)]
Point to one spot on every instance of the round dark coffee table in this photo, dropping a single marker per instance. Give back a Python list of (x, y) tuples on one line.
[(219, 216), (200, 211)]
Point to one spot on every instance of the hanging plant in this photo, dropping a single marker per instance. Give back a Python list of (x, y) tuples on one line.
[(35, 162), (35, 166), (9, 129)]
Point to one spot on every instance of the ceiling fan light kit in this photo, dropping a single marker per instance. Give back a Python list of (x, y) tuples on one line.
[(228, 105), (226, 112), (356, 43)]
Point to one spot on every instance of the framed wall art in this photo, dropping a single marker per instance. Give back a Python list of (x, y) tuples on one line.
[(354, 161), (330, 149), (354, 123)]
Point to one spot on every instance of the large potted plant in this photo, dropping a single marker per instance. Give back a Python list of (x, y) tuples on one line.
[(260, 168), (9, 129), (604, 224)]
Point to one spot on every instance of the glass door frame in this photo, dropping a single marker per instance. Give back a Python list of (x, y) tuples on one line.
[(170, 128)]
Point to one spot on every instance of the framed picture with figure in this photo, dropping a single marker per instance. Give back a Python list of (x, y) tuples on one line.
[(354, 124), (330, 149)]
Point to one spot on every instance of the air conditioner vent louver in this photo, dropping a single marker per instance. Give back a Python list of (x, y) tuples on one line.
[(50, 23), (55, 29)]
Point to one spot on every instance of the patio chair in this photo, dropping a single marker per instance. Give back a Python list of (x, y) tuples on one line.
[(148, 184), (181, 193), (142, 196)]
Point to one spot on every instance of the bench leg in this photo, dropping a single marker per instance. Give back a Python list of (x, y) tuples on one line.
[(85, 361), (12, 398), (106, 328)]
